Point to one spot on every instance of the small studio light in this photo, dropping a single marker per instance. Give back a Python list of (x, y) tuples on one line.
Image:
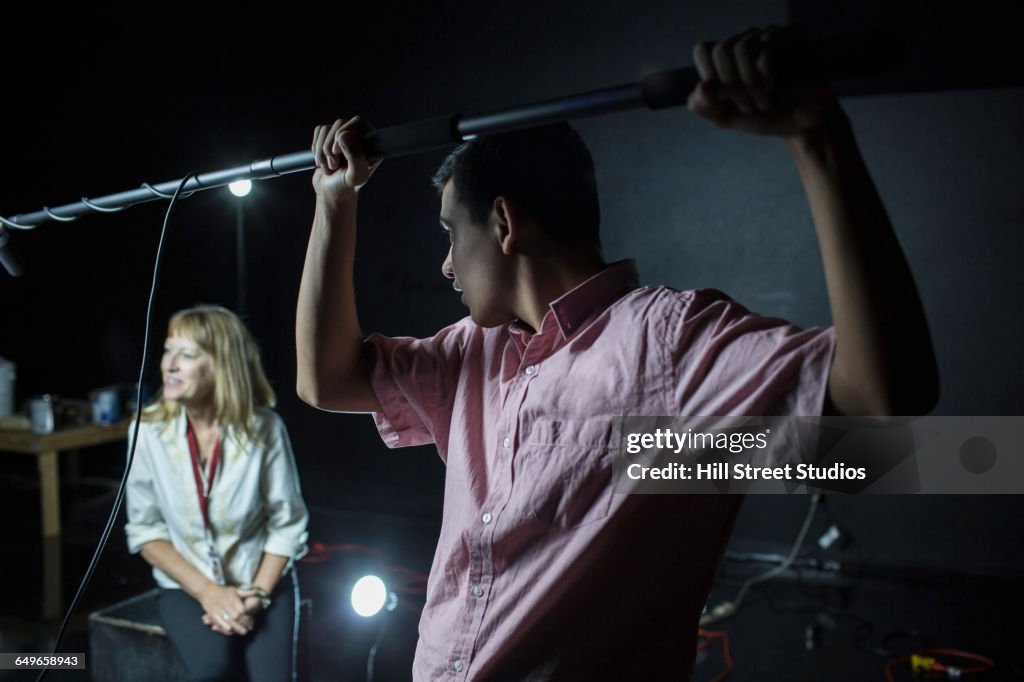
[(240, 188), (369, 595)]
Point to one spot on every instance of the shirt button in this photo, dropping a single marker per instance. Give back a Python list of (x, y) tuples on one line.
[(506, 442), (486, 517), (478, 591), (531, 369), (457, 665)]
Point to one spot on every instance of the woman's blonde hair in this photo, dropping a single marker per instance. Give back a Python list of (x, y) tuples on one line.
[(240, 386)]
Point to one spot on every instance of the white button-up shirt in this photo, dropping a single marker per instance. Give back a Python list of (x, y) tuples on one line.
[(255, 503)]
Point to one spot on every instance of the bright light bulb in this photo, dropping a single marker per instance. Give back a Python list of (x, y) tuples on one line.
[(240, 188), (369, 595)]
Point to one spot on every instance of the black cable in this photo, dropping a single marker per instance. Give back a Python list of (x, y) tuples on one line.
[(370, 657), (915, 638), (295, 621), (864, 627), (851, 538), (100, 209), (57, 218), (161, 195), (134, 438), (16, 226)]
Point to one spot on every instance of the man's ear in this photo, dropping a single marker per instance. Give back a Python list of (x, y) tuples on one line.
[(507, 224)]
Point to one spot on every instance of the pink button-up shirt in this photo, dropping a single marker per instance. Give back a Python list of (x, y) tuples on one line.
[(541, 572)]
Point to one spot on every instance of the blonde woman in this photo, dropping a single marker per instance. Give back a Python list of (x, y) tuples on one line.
[(214, 504)]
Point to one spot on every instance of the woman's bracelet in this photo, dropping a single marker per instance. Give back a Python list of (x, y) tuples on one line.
[(265, 600)]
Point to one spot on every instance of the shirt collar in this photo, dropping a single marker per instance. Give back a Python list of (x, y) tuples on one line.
[(574, 308)]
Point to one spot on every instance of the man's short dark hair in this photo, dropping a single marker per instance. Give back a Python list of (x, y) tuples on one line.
[(547, 171)]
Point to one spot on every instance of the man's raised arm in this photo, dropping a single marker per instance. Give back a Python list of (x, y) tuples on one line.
[(330, 371), (884, 363)]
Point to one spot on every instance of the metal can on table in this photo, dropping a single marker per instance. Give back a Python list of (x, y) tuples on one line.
[(42, 413), (106, 405)]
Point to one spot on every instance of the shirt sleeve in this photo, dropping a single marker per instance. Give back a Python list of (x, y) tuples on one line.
[(415, 381), (145, 520), (287, 516), (725, 360)]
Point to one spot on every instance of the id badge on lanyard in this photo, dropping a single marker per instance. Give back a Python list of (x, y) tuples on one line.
[(216, 568), (204, 485)]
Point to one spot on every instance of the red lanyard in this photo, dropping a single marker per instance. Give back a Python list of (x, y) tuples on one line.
[(204, 495)]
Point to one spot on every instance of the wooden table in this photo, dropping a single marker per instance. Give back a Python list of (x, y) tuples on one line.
[(46, 447)]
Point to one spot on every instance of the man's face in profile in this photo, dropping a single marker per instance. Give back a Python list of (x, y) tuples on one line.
[(475, 263)]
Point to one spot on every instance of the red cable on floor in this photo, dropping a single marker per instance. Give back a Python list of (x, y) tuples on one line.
[(708, 636), (924, 662)]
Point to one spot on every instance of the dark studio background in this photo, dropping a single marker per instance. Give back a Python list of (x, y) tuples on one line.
[(102, 102)]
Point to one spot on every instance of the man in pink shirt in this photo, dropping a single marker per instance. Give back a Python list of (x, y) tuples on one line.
[(541, 571)]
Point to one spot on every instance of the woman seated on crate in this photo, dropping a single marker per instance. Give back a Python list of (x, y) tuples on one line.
[(214, 505)]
